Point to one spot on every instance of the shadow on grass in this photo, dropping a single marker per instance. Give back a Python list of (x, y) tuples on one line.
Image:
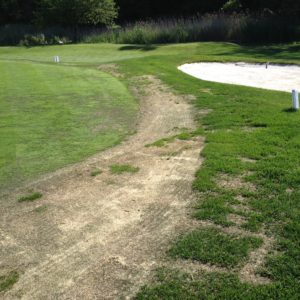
[(138, 47), (290, 110), (290, 52)]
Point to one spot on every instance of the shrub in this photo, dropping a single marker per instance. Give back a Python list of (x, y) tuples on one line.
[(33, 40)]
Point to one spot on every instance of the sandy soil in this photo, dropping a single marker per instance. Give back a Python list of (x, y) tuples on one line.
[(274, 77), (100, 237)]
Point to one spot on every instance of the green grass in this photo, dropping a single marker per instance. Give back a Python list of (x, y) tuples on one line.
[(209, 245), (215, 208), (54, 115), (243, 122), (176, 285), (120, 169), (6, 282), (31, 197)]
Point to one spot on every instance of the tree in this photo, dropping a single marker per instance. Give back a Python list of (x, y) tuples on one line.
[(132, 10), (232, 6), (73, 13), (16, 11)]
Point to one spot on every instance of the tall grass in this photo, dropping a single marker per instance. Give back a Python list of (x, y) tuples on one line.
[(234, 28), (217, 27), (13, 34)]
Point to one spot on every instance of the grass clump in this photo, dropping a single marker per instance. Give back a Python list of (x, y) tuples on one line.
[(212, 246), (120, 169), (215, 209), (184, 136), (96, 173), (161, 143), (7, 281), (31, 197)]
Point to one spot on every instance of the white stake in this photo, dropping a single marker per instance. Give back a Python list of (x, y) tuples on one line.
[(56, 59), (295, 97)]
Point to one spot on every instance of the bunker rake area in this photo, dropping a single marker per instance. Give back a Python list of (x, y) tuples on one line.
[(154, 184)]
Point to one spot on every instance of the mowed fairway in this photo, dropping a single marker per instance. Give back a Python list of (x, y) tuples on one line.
[(201, 202), (52, 115)]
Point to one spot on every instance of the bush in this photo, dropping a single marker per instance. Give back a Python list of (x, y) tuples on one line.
[(33, 40)]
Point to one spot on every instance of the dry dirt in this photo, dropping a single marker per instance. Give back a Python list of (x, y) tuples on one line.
[(100, 237)]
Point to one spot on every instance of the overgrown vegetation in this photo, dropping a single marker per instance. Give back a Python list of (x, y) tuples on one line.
[(41, 22), (216, 27), (231, 28)]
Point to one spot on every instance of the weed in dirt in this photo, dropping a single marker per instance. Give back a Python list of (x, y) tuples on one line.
[(161, 143), (7, 281), (210, 245), (96, 173), (120, 169), (184, 136), (31, 197)]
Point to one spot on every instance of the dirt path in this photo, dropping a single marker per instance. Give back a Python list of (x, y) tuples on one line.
[(100, 237)]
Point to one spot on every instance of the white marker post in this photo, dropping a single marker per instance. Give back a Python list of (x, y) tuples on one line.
[(56, 59), (295, 97)]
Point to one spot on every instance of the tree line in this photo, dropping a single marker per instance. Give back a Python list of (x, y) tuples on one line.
[(74, 13)]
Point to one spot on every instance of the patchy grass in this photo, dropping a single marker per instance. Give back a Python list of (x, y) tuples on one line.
[(7, 281), (30, 197), (214, 208), (95, 173), (120, 169), (209, 245), (174, 284)]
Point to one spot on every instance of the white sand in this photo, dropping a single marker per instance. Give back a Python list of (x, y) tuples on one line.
[(275, 77)]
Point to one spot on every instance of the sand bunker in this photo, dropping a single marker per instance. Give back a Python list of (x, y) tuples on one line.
[(273, 77)]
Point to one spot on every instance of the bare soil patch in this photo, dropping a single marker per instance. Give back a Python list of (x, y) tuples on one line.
[(235, 183), (100, 237)]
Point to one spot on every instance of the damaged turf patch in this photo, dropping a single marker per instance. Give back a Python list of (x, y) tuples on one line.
[(211, 246)]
